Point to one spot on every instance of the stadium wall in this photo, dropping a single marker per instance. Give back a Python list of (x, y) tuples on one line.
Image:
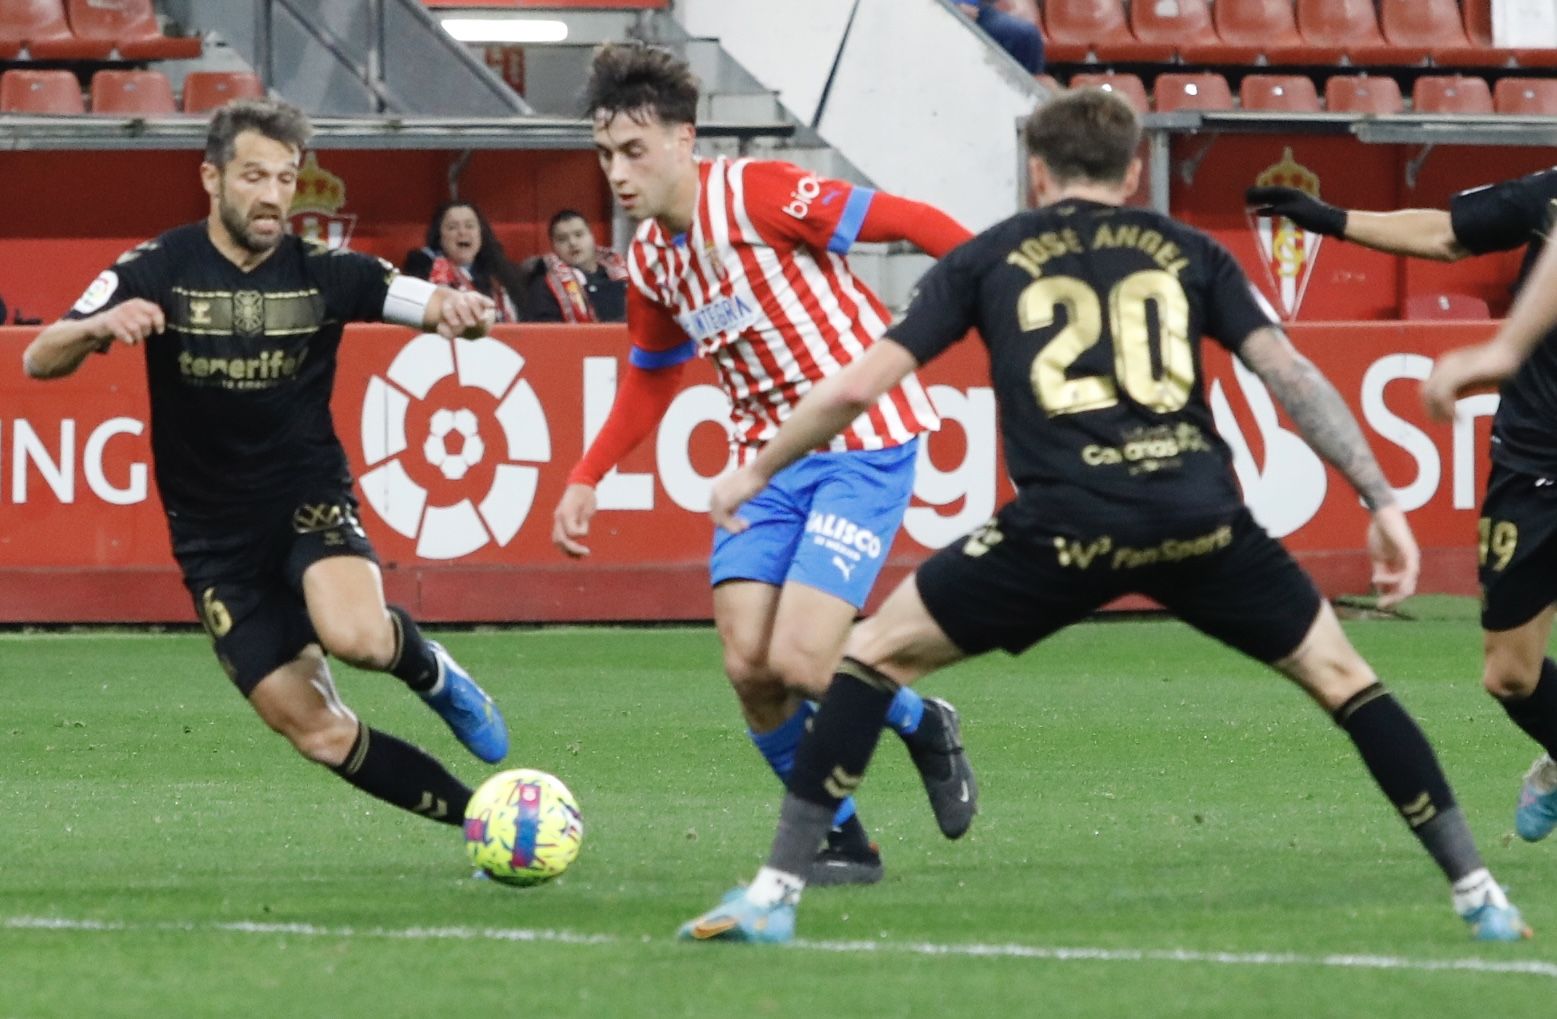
[(82, 536)]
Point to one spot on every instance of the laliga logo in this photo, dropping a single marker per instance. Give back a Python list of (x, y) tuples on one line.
[(451, 417), (1287, 490)]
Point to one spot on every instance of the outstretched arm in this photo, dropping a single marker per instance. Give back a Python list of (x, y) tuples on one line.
[(1530, 321), (891, 218), (1327, 424), (59, 350), (1420, 233)]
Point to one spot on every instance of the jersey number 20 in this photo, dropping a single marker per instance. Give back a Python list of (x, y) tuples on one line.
[(1130, 327)]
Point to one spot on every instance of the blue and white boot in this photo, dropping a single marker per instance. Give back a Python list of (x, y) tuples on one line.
[(1481, 903), (470, 713), (1536, 815), (738, 918)]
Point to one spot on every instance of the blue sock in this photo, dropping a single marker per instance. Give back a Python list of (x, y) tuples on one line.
[(778, 748), (906, 710)]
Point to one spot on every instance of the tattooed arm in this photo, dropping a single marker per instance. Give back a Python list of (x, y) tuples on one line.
[(1318, 411), (1329, 427)]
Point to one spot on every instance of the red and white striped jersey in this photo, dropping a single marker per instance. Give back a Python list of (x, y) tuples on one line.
[(761, 286)]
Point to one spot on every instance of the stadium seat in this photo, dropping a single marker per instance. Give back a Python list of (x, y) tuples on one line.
[(132, 92), (130, 26), (1428, 307), (1279, 93), (1360, 93), (1353, 27), (206, 90), (1204, 91), (1438, 26), (23, 91), (1186, 26), (1271, 27), (1128, 86), (40, 25), (1077, 29), (1444, 93), (1529, 96)]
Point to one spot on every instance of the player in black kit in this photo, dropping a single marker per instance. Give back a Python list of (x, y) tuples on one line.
[(1518, 525), (241, 323), (1093, 314)]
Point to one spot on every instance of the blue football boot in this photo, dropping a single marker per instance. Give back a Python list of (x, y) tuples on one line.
[(1537, 813), (468, 710), (737, 918)]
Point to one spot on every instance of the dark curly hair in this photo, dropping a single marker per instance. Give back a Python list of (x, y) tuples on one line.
[(641, 81), (272, 118)]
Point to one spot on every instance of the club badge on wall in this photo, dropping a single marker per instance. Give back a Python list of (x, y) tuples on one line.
[(1288, 252), (316, 208)]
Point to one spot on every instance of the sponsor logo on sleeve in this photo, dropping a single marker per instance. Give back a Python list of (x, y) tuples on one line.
[(800, 199), (98, 293)]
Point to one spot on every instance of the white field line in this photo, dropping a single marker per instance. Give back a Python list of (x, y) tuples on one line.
[(1532, 967)]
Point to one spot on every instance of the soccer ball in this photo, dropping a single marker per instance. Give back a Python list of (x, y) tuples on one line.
[(523, 827)]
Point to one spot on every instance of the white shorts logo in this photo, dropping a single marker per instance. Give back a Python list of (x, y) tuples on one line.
[(446, 523), (97, 293)]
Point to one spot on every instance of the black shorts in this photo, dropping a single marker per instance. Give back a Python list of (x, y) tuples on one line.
[(1007, 588), (1517, 549), (246, 578)]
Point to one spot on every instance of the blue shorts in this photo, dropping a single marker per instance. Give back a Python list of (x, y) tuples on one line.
[(826, 521)]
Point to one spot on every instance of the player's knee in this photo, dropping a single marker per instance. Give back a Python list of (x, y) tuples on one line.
[(753, 681), (1504, 676), (798, 670), (363, 644)]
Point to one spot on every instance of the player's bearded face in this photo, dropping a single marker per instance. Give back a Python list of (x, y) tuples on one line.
[(255, 190)]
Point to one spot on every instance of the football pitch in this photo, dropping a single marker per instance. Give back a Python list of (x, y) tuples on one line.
[(1166, 830)]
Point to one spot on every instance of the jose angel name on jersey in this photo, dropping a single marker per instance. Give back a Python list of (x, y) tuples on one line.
[(1093, 316)]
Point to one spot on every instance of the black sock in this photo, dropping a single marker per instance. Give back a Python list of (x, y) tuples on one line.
[(1407, 770), (414, 663), (1537, 713), (406, 776), (830, 761)]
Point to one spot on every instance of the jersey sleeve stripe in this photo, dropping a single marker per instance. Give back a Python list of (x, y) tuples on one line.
[(853, 218), (652, 359)]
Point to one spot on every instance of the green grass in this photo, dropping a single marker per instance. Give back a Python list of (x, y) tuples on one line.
[(1144, 791)]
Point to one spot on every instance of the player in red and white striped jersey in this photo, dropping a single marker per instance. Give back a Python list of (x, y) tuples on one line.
[(743, 262)]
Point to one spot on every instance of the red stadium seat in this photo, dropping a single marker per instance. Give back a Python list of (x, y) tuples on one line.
[(131, 27), (1279, 93), (1271, 27), (1353, 27), (1128, 86), (40, 25), (1428, 307), (1203, 91), (130, 92), (40, 92), (206, 90), (1359, 93), (1451, 94), (1530, 96), (1186, 26), (1076, 29), (1437, 25)]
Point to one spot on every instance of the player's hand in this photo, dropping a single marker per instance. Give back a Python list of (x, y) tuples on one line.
[(1466, 368), (1300, 207), (730, 493), (466, 314), (128, 322), (1396, 559), (570, 520)]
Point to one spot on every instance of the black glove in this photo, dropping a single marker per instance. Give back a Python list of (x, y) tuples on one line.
[(1302, 208)]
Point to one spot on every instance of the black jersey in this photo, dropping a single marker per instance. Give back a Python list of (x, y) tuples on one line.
[(1093, 316), (240, 381), (1501, 217)]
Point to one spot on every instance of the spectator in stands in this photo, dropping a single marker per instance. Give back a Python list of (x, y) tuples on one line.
[(1016, 35), (579, 281), (463, 253)]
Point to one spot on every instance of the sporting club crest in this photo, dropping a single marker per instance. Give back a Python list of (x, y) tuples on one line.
[(1288, 252)]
